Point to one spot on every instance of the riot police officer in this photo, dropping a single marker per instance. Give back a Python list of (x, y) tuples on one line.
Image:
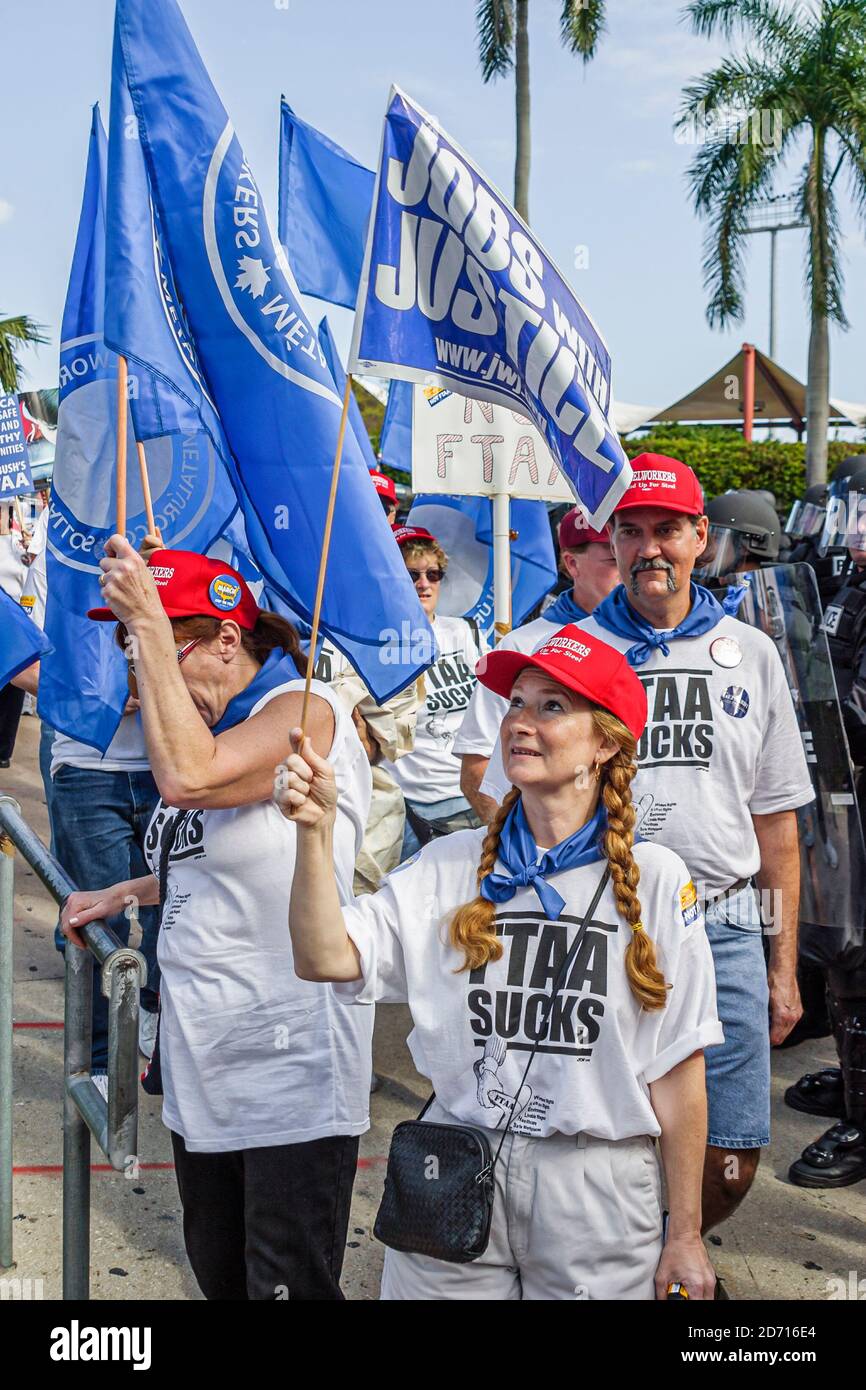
[(838, 1157)]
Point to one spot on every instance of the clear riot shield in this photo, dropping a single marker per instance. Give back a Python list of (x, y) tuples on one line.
[(783, 601)]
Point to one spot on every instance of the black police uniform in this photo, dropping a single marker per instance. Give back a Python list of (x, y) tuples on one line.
[(838, 1158), (830, 569)]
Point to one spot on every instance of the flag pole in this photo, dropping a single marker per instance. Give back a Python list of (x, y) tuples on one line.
[(122, 406), (326, 544), (145, 488)]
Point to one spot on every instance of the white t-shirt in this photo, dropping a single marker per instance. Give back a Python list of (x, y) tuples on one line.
[(473, 1030), (251, 1055), (35, 591), (479, 732), (721, 744), (127, 751), (431, 772), (13, 570)]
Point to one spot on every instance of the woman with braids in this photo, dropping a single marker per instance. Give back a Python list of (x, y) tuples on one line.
[(265, 1078), (473, 931)]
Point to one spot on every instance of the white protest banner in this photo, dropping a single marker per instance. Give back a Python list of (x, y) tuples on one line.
[(15, 475), (478, 449)]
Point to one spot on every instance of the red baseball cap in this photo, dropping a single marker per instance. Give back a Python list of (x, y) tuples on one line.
[(404, 534), (579, 662), (574, 530), (191, 585), (659, 481), (384, 485)]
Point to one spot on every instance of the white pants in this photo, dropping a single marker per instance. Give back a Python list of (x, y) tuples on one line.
[(573, 1218)]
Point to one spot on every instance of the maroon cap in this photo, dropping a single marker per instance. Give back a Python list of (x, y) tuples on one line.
[(574, 530), (579, 662), (384, 485), (191, 585), (659, 481)]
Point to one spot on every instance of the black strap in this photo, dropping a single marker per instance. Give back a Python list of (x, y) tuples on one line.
[(166, 846), (557, 986)]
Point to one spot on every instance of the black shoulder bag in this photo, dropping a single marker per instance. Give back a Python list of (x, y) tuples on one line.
[(439, 1186)]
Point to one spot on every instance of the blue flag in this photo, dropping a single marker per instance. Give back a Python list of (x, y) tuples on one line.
[(463, 526), (83, 682), (335, 367), (260, 361), (395, 439), (456, 290), (21, 641), (325, 200)]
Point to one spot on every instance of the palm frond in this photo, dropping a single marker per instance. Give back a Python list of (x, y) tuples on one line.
[(581, 25), (495, 20), (772, 23), (16, 331), (823, 265)]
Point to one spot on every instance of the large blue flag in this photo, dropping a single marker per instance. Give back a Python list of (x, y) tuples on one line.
[(325, 201), (83, 682), (338, 372), (21, 640), (260, 360), (395, 439), (456, 290), (463, 527)]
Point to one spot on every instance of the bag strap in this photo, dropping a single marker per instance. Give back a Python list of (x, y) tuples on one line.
[(165, 849), (558, 983)]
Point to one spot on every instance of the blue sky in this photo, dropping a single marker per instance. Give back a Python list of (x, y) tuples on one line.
[(607, 173)]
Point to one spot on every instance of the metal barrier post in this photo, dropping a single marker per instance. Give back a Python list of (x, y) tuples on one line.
[(7, 896), (114, 1125)]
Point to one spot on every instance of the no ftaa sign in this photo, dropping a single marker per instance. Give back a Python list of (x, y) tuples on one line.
[(473, 448)]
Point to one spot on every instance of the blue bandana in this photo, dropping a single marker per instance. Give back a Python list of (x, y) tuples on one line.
[(617, 615), (277, 670), (564, 610), (519, 853)]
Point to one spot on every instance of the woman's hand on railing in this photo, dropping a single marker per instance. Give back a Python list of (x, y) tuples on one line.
[(305, 788), (81, 908)]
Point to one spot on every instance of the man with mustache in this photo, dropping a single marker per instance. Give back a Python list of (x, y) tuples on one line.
[(721, 773)]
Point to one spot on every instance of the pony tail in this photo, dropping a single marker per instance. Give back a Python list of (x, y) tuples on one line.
[(646, 981), (472, 928)]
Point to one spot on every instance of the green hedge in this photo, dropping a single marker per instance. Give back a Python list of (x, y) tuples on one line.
[(722, 459)]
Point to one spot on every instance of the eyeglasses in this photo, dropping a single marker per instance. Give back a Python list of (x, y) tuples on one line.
[(434, 576), (181, 652)]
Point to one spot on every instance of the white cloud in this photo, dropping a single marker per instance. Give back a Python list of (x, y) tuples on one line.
[(7, 211)]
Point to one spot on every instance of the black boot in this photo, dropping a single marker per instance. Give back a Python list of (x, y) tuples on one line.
[(818, 1093), (837, 1159)]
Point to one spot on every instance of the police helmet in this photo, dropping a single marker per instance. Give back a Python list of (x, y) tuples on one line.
[(744, 531)]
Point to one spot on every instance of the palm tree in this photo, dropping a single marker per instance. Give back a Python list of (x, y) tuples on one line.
[(801, 79), (14, 332), (503, 43)]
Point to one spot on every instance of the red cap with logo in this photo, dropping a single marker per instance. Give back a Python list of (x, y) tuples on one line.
[(404, 534), (580, 662), (574, 530), (659, 481), (384, 485), (191, 585)]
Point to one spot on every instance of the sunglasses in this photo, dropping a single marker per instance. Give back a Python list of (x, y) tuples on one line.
[(181, 652), (434, 576)]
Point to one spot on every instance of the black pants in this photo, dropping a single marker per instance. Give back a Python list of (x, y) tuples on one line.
[(11, 704), (268, 1223)]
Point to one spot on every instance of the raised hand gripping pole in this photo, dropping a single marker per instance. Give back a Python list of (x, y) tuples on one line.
[(323, 562)]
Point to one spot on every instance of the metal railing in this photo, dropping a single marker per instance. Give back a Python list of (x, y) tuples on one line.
[(113, 1124)]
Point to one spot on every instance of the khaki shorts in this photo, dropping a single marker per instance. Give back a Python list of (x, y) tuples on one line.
[(574, 1218)]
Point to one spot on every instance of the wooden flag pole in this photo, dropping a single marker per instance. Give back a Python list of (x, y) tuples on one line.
[(122, 406), (326, 544), (145, 488)]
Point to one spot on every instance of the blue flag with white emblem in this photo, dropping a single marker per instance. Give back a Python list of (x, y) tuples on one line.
[(82, 682), (21, 640), (456, 290), (261, 362), (325, 199)]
